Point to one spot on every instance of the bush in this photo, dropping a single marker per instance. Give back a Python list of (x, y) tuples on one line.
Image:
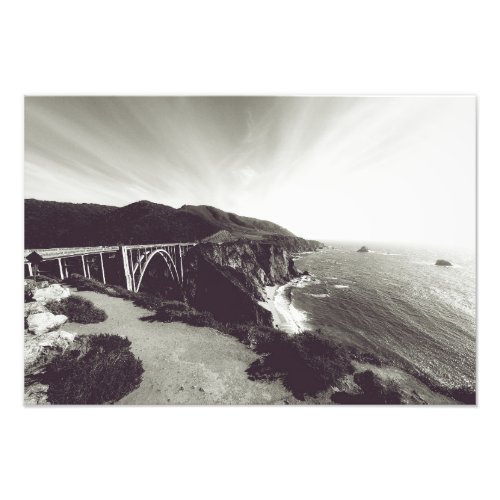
[(307, 363), (153, 303), (29, 290), (102, 370), (78, 310), (265, 340), (87, 284), (145, 300), (242, 331), (50, 280), (185, 314), (373, 391), (119, 291), (464, 395)]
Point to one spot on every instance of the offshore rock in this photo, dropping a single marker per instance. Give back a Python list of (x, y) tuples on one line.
[(363, 249), (441, 262)]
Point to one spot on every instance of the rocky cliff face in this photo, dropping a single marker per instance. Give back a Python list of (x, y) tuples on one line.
[(228, 279)]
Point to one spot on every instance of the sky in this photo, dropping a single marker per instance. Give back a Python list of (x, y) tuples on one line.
[(368, 169)]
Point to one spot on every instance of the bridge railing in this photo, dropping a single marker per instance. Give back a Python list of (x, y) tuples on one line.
[(54, 253)]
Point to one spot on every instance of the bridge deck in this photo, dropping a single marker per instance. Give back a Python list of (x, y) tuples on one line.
[(56, 253)]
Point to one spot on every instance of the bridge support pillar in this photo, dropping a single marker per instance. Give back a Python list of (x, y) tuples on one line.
[(126, 269), (182, 265), (84, 267), (102, 270), (61, 272)]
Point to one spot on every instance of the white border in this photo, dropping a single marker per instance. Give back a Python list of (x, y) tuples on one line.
[(223, 47)]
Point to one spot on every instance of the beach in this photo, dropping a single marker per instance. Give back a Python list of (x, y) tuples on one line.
[(278, 301)]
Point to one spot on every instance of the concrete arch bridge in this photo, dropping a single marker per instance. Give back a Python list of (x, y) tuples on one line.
[(127, 264)]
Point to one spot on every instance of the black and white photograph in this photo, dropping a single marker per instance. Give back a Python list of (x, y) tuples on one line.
[(250, 250), (259, 250)]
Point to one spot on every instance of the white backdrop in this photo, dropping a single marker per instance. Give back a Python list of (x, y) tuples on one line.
[(258, 47)]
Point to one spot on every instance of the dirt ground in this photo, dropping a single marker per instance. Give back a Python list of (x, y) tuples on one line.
[(182, 364)]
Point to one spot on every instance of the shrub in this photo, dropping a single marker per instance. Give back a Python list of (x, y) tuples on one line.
[(464, 395), (29, 290), (185, 314), (264, 339), (102, 370), (307, 363), (242, 331), (88, 284), (153, 303), (373, 391), (145, 300), (78, 310), (119, 291), (51, 280)]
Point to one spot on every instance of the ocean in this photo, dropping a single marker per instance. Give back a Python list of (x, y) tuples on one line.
[(394, 302)]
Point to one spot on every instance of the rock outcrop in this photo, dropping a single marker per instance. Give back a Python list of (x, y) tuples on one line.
[(43, 322), (219, 237), (228, 279), (39, 351), (363, 249), (51, 292), (31, 286), (441, 262), (34, 308)]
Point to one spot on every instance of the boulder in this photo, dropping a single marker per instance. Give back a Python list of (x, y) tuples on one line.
[(36, 394), (39, 351), (441, 262), (34, 308), (51, 292), (43, 322), (363, 249), (29, 289)]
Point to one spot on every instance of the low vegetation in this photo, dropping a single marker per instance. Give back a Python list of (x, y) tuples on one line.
[(78, 310), (89, 284), (307, 364), (49, 279), (100, 369), (373, 391)]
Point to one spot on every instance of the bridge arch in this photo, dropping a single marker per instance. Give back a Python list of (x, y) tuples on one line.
[(168, 260)]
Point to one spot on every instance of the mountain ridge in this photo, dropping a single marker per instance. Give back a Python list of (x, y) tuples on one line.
[(62, 224)]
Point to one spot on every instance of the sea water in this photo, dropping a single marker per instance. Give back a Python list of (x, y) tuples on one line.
[(392, 301)]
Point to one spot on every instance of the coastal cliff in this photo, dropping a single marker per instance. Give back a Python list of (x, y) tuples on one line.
[(228, 279)]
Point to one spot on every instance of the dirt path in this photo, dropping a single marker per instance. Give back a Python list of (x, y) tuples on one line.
[(182, 364)]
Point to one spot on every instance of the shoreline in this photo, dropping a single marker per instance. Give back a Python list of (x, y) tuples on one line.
[(278, 302)]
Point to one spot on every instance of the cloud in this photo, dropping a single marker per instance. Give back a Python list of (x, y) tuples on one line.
[(323, 167)]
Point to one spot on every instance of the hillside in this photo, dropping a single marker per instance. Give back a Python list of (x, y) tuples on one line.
[(50, 224), (54, 224)]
